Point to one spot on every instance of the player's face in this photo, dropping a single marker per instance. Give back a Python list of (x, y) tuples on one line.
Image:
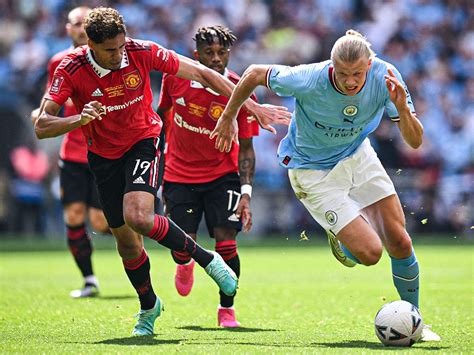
[(109, 53), (350, 77), (75, 27), (214, 56)]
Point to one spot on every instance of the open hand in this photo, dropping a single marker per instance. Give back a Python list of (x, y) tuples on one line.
[(267, 115), (396, 90), (226, 132)]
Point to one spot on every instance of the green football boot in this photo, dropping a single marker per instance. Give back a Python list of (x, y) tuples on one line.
[(146, 319), (222, 274), (337, 251)]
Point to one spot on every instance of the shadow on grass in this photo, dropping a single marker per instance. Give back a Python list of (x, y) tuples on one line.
[(143, 340), (198, 328), (370, 345), (116, 297)]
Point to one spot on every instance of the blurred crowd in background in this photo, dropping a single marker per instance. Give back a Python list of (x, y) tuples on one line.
[(431, 42)]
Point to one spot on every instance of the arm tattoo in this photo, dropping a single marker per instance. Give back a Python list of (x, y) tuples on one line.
[(246, 169)]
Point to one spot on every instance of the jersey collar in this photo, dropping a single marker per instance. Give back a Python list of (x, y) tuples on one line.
[(332, 80), (101, 72)]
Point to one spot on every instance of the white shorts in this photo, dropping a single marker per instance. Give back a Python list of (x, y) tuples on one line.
[(335, 197)]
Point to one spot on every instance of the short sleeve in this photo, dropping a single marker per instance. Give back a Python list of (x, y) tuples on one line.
[(61, 87), (164, 60), (389, 105), (290, 81), (52, 65)]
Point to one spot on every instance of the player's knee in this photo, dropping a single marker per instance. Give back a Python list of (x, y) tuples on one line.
[(222, 234), (371, 255), (99, 223), (139, 221), (400, 246), (74, 214)]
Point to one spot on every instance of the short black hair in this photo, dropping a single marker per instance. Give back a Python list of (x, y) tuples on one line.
[(104, 23), (212, 34)]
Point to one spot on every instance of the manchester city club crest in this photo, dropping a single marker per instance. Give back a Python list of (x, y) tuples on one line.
[(350, 110), (331, 217)]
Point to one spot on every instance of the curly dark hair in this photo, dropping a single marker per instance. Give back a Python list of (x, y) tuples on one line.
[(212, 34), (104, 23)]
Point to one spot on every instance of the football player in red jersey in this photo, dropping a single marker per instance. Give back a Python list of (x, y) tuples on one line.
[(108, 81), (198, 178), (78, 191)]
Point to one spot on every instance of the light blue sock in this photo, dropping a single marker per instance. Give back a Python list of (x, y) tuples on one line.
[(405, 274), (349, 254)]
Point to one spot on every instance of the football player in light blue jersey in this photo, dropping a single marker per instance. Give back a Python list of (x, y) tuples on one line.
[(333, 169)]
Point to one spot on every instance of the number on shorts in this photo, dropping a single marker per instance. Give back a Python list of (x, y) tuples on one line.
[(143, 165), (231, 194)]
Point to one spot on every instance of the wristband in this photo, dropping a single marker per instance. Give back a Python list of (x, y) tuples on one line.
[(246, 189)]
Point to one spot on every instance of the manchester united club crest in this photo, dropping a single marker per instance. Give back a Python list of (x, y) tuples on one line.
[(215, 110), (132, 80)]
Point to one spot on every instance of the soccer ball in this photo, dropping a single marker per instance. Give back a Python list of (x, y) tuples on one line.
[(398, 323)]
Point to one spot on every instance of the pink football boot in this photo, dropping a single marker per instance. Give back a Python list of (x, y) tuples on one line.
[(226, 317), (184, 278)]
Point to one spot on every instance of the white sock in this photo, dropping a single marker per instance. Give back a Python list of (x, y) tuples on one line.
[(91, 279), (220, 307)]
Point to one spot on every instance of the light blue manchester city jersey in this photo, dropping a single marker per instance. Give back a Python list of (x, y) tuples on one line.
[(328, 126)]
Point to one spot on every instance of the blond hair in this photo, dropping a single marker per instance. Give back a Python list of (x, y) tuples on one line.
[(350, 47)]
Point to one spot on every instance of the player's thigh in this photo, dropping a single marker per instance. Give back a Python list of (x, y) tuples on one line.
[(220, 203), (141, 175), (110, 181), (184, 205), (325, 194), (142, 165), (371, 182)]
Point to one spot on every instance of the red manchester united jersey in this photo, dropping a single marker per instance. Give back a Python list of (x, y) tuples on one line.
[(190, 155), (73, 147), (125, 93)]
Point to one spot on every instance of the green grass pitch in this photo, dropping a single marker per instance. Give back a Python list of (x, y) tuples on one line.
[(294, 298)]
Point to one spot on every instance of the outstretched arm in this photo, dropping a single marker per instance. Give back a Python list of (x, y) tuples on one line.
[(265, 114), (409, 125), (254, 76)]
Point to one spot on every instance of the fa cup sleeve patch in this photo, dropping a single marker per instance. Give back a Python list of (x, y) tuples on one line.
[(56, 84)]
